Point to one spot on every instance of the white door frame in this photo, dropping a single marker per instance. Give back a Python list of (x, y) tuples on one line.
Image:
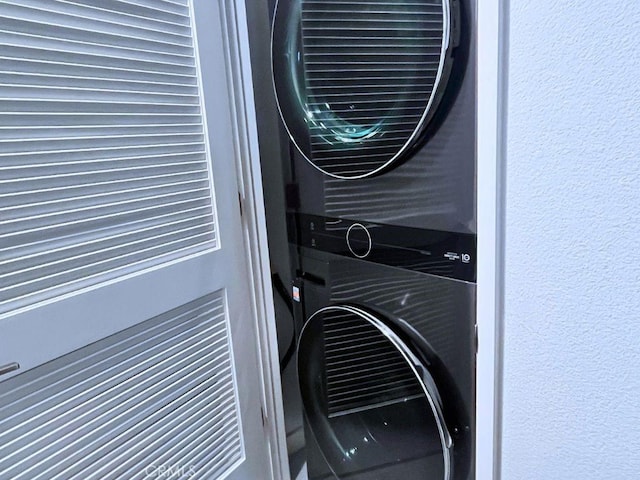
[(254, 219), (491, 95), (490, 156)]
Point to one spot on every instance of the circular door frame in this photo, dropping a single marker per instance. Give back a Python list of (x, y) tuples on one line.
[(427, 383), (429, 111)]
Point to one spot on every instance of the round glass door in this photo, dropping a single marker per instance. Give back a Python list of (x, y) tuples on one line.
[(357, 83), (369, 400)]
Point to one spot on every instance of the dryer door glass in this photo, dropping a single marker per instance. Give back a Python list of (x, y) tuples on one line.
[(370, 402), (357, 83)]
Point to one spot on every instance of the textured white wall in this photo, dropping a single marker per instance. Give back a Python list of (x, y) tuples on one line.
[(572, 299)]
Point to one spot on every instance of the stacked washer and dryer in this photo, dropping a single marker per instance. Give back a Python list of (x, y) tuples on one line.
[(378, 101)]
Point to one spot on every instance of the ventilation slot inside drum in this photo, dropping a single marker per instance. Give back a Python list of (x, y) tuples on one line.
[(371, 72), (363, 369)]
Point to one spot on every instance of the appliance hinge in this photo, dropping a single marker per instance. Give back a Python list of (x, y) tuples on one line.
[(476, 337), (265, 420), (240, 203), (10, 367)]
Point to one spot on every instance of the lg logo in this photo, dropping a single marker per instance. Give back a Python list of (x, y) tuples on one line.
[(466, 258)]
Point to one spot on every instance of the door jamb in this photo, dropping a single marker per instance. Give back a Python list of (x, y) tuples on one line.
[(254, 224), (491, 95)]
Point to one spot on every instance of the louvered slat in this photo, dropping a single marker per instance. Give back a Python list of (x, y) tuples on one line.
[(103, 161), (160, 393)]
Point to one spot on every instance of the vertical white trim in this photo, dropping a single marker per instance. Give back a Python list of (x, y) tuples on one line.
[(254, 219), (489, 303), (205, 125)]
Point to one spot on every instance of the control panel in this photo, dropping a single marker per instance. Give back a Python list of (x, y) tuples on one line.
[(435, 252)]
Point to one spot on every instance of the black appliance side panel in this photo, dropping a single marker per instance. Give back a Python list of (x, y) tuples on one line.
[(274, 147)]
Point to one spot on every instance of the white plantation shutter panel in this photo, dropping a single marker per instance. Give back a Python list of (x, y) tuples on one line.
[(158, 394), (104, 168)]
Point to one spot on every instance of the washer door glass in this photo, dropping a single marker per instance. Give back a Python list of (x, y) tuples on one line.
[(369, 400), (357, 83)]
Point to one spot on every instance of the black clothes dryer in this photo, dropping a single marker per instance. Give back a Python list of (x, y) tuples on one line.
[(378, 99), (386, 364)]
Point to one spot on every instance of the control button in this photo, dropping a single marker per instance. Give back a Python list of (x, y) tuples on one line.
[(359, 240)]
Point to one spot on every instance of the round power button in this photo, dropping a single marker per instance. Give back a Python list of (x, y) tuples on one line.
[(359, 240)]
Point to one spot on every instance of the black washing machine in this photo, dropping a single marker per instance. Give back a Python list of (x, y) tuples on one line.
[(386, 362), (378, 100)]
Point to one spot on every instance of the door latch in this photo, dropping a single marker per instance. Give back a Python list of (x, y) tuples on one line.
[(8, 368)]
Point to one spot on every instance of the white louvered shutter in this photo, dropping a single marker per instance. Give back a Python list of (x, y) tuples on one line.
[(103, 158), (128, 343), (160, 393)]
